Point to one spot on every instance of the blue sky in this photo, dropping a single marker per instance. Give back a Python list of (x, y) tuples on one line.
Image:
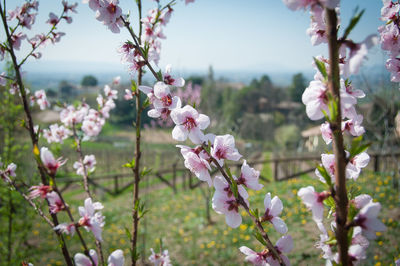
[(252, 35)]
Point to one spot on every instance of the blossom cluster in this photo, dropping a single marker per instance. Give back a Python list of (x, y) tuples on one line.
[(389, 37), (318, 101), (160, 259), (212, 151), (82, 120)]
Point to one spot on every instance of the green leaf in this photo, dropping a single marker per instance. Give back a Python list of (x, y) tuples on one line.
[(353, 22), (259, 237), (321, 169), (145, 171), (133, 86), (159, 75), (329, 202), (321, 67), (254, 213), (146, 103)]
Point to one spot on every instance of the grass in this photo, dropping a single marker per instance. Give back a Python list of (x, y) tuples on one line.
[(181, 223)]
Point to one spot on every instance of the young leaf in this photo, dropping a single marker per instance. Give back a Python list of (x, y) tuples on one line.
[(259, 237), (353, 22), (325, 175), (321, 67)]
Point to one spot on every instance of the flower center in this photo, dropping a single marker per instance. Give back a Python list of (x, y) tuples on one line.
[(190, 123), (167, 100), (112, 8)]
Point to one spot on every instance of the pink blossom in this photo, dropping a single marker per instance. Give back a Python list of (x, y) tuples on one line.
[(10, 170), (273, 209), (65, 228), (53, 19), (189, 123), (68, 7), (353, 126), (55, 202), (299, 4), (162, 100), (161, 259), (109, 93), (93, 4), (316, 99), (42, 191), (355, 165), (70, 116), (361, 200), (16, 40), (56, 133), (91, 128), (224, 148), (393, 65), (389, 10), (128, 95), (56, 36), (317, 30), (198, 165), (368, 220), (283, 245), (89, 162), (81, 259), (116, 258), (390, 38), (224, 202), (189, 1), (90, 219), (313, 201), (109, 13), (326, 132), (49, 162), (116, 80), (356, 254), (249, 177), (255, 258), (169, 80)]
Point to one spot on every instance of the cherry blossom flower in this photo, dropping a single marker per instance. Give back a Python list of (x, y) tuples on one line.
[(353, 126), (160, 259), (116, 258), (68, 7), (81, 259), (255, 258), (163, 101), (109, 13), (393, 65), (49, 162), (314, 201), (53, 19), (89, 162), (109, 93), (169, 80), (390, 39), (56, 133), (128, 95), (389, 10), (65, 228), (265, 258), (199, 166), (189, 123), (326, 132), (92, 220), (42, 191), (249, 177), (70, 116), (367, 219), (361, 200), (224, 202), (10, 170), (283, 245), (355, 165), (55, 202), (273, 208), (93, 4), (317, 30), (224, 148), (16, 40)]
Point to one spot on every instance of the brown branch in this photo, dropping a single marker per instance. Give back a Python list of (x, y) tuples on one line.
[(338, 147)]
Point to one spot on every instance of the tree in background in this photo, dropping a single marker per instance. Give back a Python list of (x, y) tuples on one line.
[(89, 81), (297, 87)]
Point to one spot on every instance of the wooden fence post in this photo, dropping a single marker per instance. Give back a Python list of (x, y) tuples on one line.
[(276, 164), (376, 163), (116, 185)]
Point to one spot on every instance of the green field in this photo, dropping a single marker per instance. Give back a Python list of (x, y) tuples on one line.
[(179, 219)]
